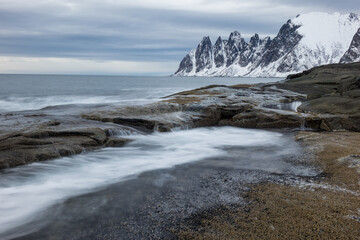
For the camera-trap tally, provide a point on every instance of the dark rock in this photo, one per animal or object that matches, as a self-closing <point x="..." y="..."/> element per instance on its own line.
<point x="116" y="142"/>
<point x="134" y="122"/>
<point x="255" y="40"/>
<point x="210" y="117"/>
<point x="39" y="145"/>
<point x="263" y="119"/>
<point x="203" y="54"/>
<point x="163" y="127"/>
<point x="323" y="80"/>
<point x="229" y="112"/>
<point x="333" y="123"/>
<point x="347" y="84"/>
<point x="332" y="105"/>
<point x="53" y="123"/>
<point x="186" y="65"/>
<point x="219" y="57"/>
<point x="333" y="92"/>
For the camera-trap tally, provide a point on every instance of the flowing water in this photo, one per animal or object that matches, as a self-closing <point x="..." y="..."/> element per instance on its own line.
<point x="28" y="193"/>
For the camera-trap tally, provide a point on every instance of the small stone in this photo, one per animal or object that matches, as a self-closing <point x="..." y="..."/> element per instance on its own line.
<point x="324" y="126"/>
<point x="53" y="123"/>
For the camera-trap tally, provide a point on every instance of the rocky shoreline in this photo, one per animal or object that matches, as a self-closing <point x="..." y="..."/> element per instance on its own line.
<point x="324" y="101"/>
<point x="324" y="98"/>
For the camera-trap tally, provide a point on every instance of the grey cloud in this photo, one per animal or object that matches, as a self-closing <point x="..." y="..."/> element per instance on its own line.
<point x="345" y="6"/>
<point x="103" y="30"/>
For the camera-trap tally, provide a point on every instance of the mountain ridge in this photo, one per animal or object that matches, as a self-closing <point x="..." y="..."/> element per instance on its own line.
<point x="304" y="42"/>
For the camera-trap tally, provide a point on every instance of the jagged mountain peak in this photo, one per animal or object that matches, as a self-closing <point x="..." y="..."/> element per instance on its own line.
<point x="255" y="40"/>
<point x="306" y="41"/>
<point x="236" y="40"/>
<point x="267" y="39"/>
<point x="219" y="41"/>
<point x="205" y="41"/>
<point x="353" y="17"/>
<point x="203" y="54"/>
<point x="235" y="35"/>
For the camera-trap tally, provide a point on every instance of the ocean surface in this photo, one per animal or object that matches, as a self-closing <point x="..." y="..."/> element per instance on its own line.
<point x="66" y="198"/>
<point x="30" y="92"/>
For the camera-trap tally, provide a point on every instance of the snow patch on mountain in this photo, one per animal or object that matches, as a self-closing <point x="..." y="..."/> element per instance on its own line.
<point x="326" y="36"/>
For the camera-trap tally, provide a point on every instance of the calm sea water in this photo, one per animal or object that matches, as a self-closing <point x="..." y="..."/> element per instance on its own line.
<point x="30" y="92"/>
<point x="29" y="194"/>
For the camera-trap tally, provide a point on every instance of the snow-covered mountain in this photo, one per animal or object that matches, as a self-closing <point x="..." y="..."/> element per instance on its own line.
<point x="304" y="42"/>
<point x="353" y="53"/>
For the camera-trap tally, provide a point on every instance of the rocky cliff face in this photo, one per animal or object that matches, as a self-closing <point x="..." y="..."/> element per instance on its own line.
<point x="304" y="42"/>
<point x="353" y="53"/>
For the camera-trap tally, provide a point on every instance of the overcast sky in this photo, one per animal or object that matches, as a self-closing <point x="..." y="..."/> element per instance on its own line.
<point x="142" y="37"/>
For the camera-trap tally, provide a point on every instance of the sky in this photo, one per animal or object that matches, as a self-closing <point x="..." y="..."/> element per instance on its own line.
<point x="137" y="37"/>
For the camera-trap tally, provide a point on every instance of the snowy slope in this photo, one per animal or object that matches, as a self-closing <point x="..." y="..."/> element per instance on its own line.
<point x="353" y="53"/>
<point x="328" y="33"/>
<point x="304" y="42"/>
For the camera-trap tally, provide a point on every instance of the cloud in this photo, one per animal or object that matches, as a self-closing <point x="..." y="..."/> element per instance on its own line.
<point x="138" y="30"/>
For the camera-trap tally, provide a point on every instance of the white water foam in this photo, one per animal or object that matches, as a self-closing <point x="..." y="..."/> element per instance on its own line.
<point x="121" y="132"/>
<point x="27" y="191"/>
<point x="35" y="103"/>
<point x="293" y="106"/>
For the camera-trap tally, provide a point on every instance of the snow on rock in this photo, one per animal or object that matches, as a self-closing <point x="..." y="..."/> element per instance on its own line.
<point x="353" y="53"/>
<point x="304" y="42"/>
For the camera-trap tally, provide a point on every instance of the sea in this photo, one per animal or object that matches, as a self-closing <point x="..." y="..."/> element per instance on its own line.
<point x="30" y="92"/>
<point x="85" y="195"/>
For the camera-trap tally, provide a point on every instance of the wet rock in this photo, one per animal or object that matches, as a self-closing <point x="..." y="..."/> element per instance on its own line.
<point x="153" y="117"/>
<point x="348" y="84"/>
<point x="53" y="123"/>
<point x="134" y="122"/>
<point x="116" y="142"/>
<point x="332" y="122"/>
<point x="334" y="104"/>
<point x="333" y="96"/>
<point x="39" y="145"/>
<point x="229" y="112"/>
<point x="323" y="80"/>
<point x="324" y="126"/>
<point x="263" y="119"/>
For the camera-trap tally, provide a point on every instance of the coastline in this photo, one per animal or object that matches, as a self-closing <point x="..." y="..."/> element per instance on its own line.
<point x="202" y="200"/>
<point x="155" y="204"/>
<point x="274" y="206"/>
